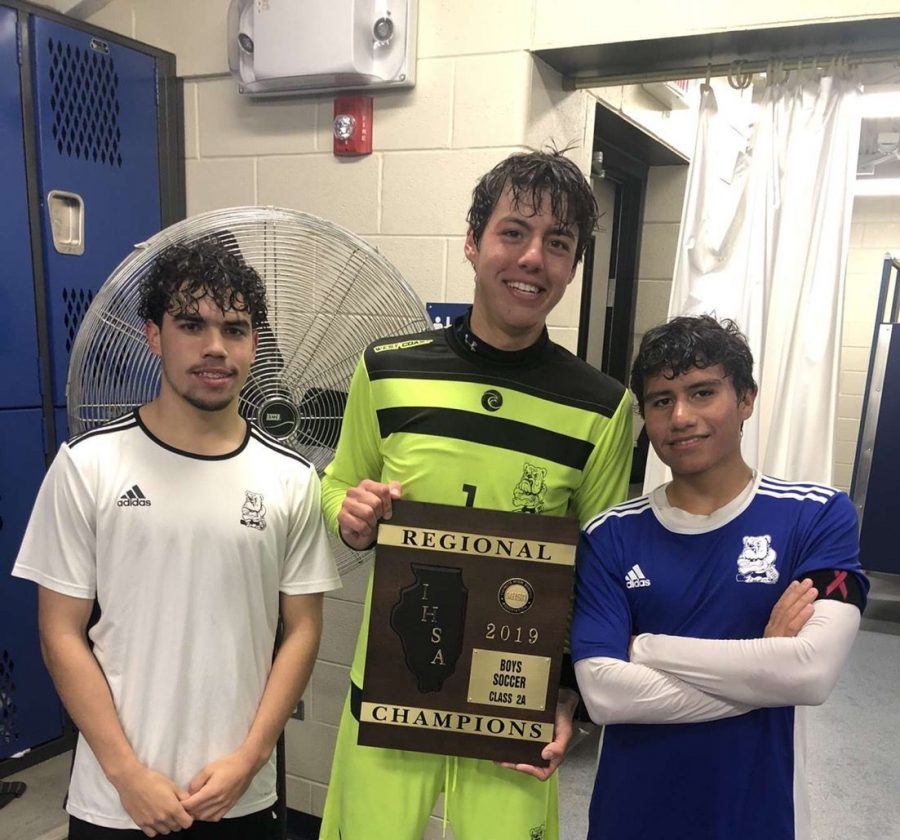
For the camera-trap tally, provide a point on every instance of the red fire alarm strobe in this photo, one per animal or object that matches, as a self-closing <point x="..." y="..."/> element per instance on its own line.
<point x="352" y="125"/>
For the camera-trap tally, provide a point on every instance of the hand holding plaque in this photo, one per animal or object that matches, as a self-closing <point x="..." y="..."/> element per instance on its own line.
<point x="466" y="631"/>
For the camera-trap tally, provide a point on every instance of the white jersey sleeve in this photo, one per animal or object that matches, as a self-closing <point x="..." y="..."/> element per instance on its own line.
<point x="799" y="671"/>
<point x="309" y="562"/>
<point x="58" y="549"/>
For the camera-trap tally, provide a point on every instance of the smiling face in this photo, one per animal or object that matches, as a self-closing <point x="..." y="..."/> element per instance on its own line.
<point x="523" y="264"/>
<point x="205" y="355"/>
<point x="694" y="421"/>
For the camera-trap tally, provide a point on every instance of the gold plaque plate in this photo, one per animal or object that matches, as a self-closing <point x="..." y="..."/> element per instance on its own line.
<point x="499" y="678"/>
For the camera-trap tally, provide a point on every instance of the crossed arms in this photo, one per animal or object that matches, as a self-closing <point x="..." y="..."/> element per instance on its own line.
<point x="674" y="679"/>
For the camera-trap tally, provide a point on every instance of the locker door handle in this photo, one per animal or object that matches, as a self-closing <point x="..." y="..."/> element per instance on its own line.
<point x="66" y="211"/>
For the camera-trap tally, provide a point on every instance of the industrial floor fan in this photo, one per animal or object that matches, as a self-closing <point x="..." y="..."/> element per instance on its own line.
<point x="329" y="295"/>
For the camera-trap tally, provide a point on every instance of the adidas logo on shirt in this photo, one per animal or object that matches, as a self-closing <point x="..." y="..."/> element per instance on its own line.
<point x="635" y="578"/>
<point x="133" y="498"/>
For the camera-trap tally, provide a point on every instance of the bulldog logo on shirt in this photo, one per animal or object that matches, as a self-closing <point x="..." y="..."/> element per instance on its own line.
<point x="756" y="563"/>
<point x="528" y="495"/>
<point x="253" y="511"/>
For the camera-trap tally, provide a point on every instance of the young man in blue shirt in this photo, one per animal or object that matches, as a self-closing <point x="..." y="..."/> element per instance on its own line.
<point x="708" y="610"/>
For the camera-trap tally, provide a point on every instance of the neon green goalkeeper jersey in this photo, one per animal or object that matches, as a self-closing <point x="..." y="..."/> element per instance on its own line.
<point x="460" y="423"/>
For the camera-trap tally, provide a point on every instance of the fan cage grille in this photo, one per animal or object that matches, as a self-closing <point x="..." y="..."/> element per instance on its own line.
<point x="329" y="294"/>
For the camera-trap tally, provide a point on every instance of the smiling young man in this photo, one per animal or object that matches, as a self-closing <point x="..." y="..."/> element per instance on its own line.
<point x="193" y="530"/>
<point x="488" y="413"/>
<point x="709" y="609"/>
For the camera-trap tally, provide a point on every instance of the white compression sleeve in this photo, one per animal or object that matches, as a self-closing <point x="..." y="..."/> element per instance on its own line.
<point x="621" y="692"/>
<point x="762" y="672"/>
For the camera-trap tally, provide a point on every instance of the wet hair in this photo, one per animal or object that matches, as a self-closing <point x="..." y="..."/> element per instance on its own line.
<point x="534" y="177"/>
<point x="686" y="342"/>
<point x="182" y="275"/>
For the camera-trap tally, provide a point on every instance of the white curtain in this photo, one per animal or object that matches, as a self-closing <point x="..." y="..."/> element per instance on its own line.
<point x="764" y="239"/>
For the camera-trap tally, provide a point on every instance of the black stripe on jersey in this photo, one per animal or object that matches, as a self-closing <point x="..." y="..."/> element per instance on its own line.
<point x="607" y="407"/>
<point x="276" y="446"/>
<point x="120" y="424"/>
<point x="487" y="430"/>
<point x="548" y="372"/>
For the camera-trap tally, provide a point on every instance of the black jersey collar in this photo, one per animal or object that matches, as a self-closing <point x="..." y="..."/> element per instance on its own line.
<point x="469" y="345"/>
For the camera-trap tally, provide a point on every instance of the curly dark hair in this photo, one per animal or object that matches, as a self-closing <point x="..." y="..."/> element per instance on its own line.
<point x="533" y="177"/>
<point x="208" y="267"/>
<point x="689" y="342"/>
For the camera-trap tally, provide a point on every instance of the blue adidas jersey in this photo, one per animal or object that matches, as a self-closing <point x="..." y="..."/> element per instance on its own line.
<point x="713" y="578"/>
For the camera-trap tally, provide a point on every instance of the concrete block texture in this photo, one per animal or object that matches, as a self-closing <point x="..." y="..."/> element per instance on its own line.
<point x="299" y="793"/>
<point x="652" y="304"/>
<point x="567" y="312"/>
<point x="881" y="234"/>
<point x="847" y="429"/>
<point x="490" y="100"/>
<point x="565" y="337"/>
<point x="118" y="17"/>
<point x="191" y="122"/>
<point x="855" y="358"/>
<point x="344" y="190"/>
<point x="232" y="124"/>
<point x="196" y="32"/>
<point x="460" y="286"/>
<point x="418" y="117"/>
<point x="318" y="793"/>
<point x="341" y="625"/>
<point x="852" y="382"/>
<point x="665" y="194"/>
<point x="428" y="193"/>
<point x="421" y="261"/>
<point x="658" y="244"/>
<point x="224" y="182"/>
<point x="354" y="583"/>
<point x="842" y="475"/>
<point x="559" y="118"/>
<point x="309" y="749"/>
<point x="328" y="689"/>
<point x="876" y="208"/>
<point x="464" y="27"/>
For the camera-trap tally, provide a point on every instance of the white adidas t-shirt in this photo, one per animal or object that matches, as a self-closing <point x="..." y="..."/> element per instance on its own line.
<point x="186" y="556"/>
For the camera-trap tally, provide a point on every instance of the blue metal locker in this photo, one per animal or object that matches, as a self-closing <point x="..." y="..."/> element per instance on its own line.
<point x="18" y="338"/>
<point x="30" y="713"/>
<point x="91" y="151"/>
<point x="98" y="169"/>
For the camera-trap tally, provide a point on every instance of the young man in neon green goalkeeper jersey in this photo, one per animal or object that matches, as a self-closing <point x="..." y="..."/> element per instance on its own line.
<point x="487" y="413"/>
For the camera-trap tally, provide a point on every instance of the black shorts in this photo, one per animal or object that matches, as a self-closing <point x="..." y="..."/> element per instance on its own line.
<point x="259" y="826"/>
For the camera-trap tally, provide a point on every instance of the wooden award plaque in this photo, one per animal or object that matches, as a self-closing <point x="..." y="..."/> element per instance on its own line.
<point x="466" y="633"/>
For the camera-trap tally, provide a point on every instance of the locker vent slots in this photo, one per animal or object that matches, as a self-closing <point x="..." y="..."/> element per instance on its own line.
<point x="84" y="96"/>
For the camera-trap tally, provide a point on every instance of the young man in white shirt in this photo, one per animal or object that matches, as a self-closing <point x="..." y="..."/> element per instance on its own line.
<point x="194" y="531"/>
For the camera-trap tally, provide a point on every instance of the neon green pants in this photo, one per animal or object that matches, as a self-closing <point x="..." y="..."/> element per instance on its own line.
<point x="379" y="794"/>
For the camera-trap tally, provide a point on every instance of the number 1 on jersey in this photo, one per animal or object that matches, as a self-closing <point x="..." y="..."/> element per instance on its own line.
<point x="470" y="490"/>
